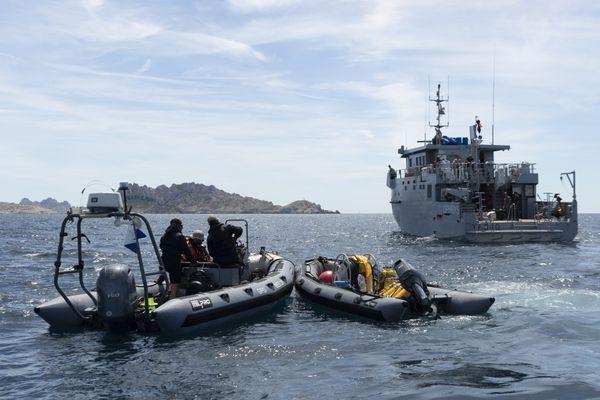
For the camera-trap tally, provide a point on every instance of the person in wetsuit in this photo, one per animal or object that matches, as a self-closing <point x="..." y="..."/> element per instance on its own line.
<point x="222" y="243"/>
<point x="172" y="246"/>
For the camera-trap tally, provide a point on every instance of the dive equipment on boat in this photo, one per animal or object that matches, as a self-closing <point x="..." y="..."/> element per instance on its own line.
<point x="393" y="299"/>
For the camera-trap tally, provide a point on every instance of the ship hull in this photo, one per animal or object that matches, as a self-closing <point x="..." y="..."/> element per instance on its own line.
<point x="441" y="220"/>
<point x="444" y="220"/>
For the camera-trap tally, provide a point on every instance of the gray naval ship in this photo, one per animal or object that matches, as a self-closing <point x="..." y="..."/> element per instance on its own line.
<point x="451" y="188"/>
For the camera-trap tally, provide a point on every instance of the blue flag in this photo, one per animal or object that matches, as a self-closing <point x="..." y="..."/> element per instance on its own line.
<point x="130" y="242"/>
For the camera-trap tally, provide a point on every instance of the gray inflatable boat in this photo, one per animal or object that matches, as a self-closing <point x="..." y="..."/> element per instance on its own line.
<point x="355" y="285"/>
<point x="267" y="280"/>
<point x="208" y="294"/>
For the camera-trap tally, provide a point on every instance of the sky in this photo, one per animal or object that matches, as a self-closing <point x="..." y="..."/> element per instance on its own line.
<point x="286" y="100"/>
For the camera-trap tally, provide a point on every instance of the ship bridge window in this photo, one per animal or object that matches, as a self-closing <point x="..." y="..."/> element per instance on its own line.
<point x="529" y="190"/>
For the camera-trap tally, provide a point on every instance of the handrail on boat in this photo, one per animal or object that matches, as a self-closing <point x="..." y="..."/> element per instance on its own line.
<point x="465" y="171"/>
<point x="79" y="267"/>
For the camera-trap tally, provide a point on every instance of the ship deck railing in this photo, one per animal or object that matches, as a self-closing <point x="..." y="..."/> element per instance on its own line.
<point x="541" y="221"/>
<point x="520" y="225"/>
<point x="457" y="173"/>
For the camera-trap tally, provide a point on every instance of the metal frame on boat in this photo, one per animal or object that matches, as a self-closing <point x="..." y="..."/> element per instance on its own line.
<point x="209" y="294"/>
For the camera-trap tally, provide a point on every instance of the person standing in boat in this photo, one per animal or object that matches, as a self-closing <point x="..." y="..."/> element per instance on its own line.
<point x="557" y="207"/>
<point x="517" y="205"/>
<point x="456" y="167"/>
<point x="470" y="166"/>
<point x="507" y="205"/>
<point x="392" y="172"/>
<point x="222" y="243"/>
<point x="172" y="246"/>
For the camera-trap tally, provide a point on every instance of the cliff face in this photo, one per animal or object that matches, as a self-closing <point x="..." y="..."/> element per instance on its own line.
<point x="195" y="198"/>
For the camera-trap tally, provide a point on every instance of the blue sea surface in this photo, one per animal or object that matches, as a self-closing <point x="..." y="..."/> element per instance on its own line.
<point x="540" y="340"/>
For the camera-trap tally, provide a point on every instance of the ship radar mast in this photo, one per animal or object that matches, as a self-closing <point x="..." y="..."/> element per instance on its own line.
<point x="439" y="100"/>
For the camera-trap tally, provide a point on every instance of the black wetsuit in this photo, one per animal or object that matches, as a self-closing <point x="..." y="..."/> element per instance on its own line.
<point x="221" y="244"/>
<point x="172" y="245"/>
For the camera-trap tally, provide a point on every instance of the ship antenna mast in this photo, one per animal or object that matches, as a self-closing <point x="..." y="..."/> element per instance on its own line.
<point x="441" y="110"/>
<point x="427" y="110"/>
<point x="493" y="96"/>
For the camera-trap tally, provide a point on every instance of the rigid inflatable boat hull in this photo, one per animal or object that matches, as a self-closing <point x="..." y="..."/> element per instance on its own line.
<point x="374" y="307"/>
<point x="349" y="302"/>
<point x="191" y="314"/>
<point x="59" y="315"/>
<point x="458" y="302"/>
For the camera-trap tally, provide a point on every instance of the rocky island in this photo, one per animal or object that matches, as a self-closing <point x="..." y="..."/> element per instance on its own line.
<point x="184" y="198"/>
<point x="14" y="208"/>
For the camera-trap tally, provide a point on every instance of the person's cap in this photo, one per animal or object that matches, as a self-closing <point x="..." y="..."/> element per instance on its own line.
<point x="176" y="221"/>
<point x="198" y="235"/>
<point x="212" y="219"/>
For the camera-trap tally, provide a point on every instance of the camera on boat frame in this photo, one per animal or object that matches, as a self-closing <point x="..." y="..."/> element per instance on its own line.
<point x="104" y="203"/>
<point x="108" y="202"/>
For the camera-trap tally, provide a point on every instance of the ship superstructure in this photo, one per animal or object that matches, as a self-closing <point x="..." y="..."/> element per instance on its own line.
<point x="452" y="188"/>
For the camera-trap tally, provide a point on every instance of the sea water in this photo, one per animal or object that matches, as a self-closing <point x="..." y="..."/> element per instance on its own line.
<point x="540" y="340"/>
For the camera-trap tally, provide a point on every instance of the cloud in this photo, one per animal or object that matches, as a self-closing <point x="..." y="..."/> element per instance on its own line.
<point x="93" y="4"/>
<point x="246" y="6"/>
<point x="176" y="44"/>
<point x="367" y="133"/>
<point x="146" y="67"/>
<point x="108" y="30"/>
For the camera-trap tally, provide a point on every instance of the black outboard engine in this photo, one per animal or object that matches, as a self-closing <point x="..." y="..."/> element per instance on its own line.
<point x="117" y="298"/>
<point x="415" y="283"/>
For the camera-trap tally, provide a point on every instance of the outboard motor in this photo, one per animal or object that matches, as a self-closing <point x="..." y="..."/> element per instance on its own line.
<point x="117" y="298"/>
<point x="415" y="283"/>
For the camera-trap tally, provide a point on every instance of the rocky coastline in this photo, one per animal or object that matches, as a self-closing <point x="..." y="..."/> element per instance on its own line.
<point x="185" y="198"/>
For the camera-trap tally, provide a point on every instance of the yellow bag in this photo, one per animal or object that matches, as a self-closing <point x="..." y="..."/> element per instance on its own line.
<point x="389" y="285"/>
<point x="364" y="268"/>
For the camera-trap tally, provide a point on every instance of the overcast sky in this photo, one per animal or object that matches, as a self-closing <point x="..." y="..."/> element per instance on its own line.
<point x="285" y="100"/>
